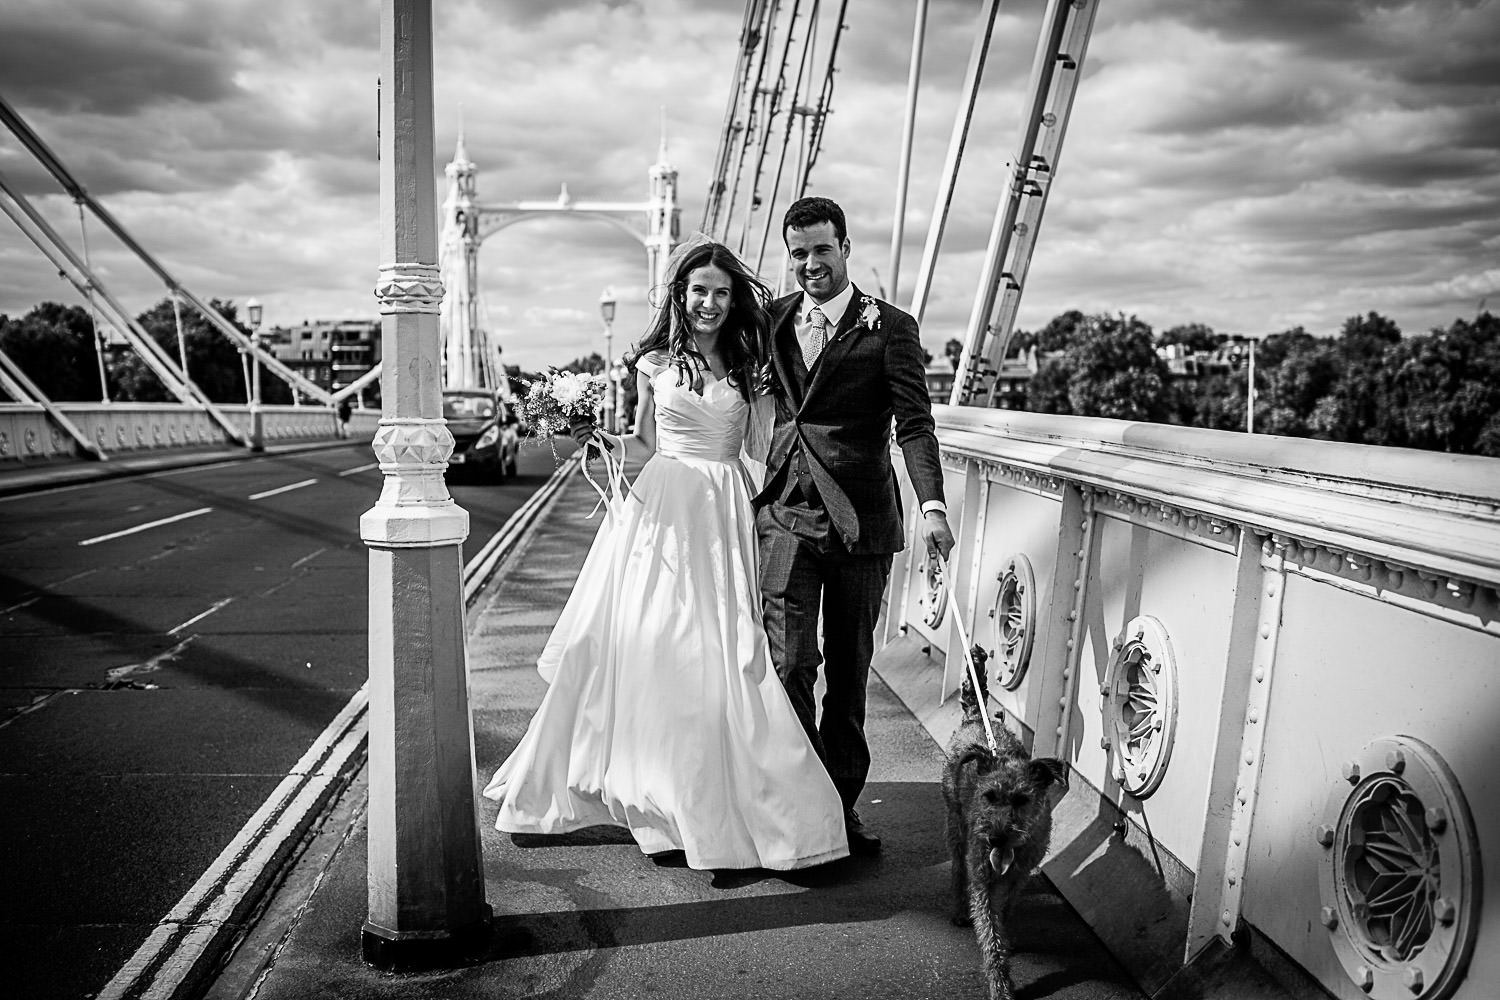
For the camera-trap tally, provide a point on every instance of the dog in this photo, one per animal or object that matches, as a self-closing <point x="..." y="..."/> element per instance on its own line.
<point x="999" y="825"/>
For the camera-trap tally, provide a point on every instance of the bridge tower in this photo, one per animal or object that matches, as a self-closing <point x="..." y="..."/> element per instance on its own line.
<point x="470" y="357"/>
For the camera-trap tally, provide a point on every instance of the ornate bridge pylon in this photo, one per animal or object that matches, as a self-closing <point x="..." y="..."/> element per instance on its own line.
<point x="471" y="358"/>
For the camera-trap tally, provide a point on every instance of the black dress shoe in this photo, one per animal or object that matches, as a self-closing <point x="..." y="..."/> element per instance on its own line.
<point x="861" y="839"/>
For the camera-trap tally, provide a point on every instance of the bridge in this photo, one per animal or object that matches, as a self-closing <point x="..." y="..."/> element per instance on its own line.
<point x="1268" y="662"/>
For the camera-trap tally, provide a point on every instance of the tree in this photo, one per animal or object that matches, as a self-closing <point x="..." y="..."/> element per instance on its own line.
<point x="1194" y="336"/>
<point x="593" y="364"/>
<point x="213" y="360"/>
<point x="1047" y="389"/>
<point x="54" y="346"/>
<point x="1443" y="389"/>
<point x="1059" y="332"/>
<point x="1116" y="372"/>
<point x="953" y="350"/>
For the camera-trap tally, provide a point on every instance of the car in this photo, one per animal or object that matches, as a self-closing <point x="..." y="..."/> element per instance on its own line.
<point x="484" y="429"/>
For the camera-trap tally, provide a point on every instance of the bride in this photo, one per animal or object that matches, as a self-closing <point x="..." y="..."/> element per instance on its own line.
<point x="663" y="712"/>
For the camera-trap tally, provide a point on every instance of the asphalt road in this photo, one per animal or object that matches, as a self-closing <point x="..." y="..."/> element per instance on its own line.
<point x="170" y="644"/>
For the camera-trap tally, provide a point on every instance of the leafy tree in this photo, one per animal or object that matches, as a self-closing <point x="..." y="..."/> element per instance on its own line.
<point x="1047" y="389"/>
<point x="1115" y="371"/>
<point x="1194" y="336"/>
<point x="1288" y="391"/>
<point x="1442" y="390"/>
<point x="953" y="350"/>
<point x="54" y="346"/>
<point x="1059" y="332"/>
<point x="213" y="360"/>
<point x="593" y="364"/>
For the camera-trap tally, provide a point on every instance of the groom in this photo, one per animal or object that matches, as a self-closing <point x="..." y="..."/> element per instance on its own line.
<point x="829" y="516"/>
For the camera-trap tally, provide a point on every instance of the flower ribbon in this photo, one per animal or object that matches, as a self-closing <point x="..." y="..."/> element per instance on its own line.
<point x="615" y="486"/>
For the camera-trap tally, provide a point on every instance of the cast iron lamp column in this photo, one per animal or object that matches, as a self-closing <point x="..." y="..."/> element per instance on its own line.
<point x="254" y="311"/>
<point x="611" y="399"/>
<point x="426" y="885"/>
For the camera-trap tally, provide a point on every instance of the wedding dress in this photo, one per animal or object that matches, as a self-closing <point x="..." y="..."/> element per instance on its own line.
<point x="663" y="712"/>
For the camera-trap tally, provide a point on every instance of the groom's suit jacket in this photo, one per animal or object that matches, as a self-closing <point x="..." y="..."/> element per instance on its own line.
<point x="839" y="417"/>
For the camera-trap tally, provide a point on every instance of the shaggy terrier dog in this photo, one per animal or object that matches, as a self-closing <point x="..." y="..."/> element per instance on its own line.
<point x="999" y="824"/>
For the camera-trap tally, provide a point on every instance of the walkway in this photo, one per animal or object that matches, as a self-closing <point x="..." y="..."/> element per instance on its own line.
<point x="589" y="915"/>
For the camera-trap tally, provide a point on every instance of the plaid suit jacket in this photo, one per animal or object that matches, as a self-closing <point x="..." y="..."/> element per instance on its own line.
<point x="842" y="412"/>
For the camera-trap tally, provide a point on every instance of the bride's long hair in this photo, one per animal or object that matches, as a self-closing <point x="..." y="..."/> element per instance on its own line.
<point x="745" y="337"/>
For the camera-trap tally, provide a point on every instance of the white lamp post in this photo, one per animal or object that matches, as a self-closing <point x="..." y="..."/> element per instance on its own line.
<point x="607" y="312"/>
<point x="255" y="311"/>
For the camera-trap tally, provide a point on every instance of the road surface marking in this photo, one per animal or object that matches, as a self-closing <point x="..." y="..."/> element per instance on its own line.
<point x="309" y="557"/>
<point x="199" y="618"/>
<point x="143" y="527"/>
<point x="359" y="468"/>
<point x="18" y="607"/>
<point x="152" y="665"/>
<point x="282" y="489"/>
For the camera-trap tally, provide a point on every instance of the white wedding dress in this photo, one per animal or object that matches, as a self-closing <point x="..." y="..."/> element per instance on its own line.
<point x="663" y="712"/>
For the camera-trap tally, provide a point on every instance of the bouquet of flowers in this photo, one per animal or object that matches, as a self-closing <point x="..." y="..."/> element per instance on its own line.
<point x="559" y="401"/>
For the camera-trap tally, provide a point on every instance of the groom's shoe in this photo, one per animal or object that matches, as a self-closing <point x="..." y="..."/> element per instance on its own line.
<point x="861" y="839"/>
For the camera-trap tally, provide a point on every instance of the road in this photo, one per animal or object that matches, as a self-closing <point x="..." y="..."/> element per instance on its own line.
<point x="170" y="644"/>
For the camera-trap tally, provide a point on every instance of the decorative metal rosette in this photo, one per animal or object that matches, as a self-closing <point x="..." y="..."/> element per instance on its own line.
<point x="1140" y="705"/>
<point x="1014" y="615"/>
<point x="934" y="596"/>
<point x="1399" y="877"/>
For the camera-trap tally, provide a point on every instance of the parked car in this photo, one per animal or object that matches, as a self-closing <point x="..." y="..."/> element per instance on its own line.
<point x="484" y="430"/>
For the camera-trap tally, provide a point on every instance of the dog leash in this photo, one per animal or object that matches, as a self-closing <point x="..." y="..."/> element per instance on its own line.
<point x="963" y="635"/>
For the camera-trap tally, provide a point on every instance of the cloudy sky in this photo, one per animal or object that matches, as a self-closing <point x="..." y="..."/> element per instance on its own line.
<point x="1249" y="164"/>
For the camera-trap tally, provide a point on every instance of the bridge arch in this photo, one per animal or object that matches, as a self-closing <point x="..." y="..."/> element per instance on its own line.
<point x="469" y="358"/>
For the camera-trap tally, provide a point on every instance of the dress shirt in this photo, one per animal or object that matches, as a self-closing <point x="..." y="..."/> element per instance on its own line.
<point x="834" y="310"/>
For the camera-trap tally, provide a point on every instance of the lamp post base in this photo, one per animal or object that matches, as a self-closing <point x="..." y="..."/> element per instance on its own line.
<point x="416" y="951"/>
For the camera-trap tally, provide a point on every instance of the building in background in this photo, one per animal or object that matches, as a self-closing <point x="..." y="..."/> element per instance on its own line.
<point x="331" y="353"/>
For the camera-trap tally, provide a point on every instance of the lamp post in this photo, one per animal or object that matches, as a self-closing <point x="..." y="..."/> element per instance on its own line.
<point x="607" y="312"/>
<point x="424" y="877"/>
<point x="255" y="311"/>
<point x="1250" y="392"/>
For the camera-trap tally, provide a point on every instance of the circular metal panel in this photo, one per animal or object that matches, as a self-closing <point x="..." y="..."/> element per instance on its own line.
<point x="1399" y="877"/>
<point x="1014" y="615"/>
<point x="933" y="598"/>
<point x="1140" y="705"/>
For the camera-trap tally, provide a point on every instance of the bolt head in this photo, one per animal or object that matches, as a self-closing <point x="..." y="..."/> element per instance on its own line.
<point x="1444" y="910"/>
<point x="1329" y="916"/>
<point x="1395" y="761"/>
<point x="1325" y="835"/>
<point x="1351" y="771"/>
<point x="1412" y="978"/>
<point x="1364" y="978"/>
<point x="1437" y="819"/>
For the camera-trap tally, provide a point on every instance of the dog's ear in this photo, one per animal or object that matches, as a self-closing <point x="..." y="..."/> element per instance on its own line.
<point x="983" y="760"/>
<point x="1049" y="770"/>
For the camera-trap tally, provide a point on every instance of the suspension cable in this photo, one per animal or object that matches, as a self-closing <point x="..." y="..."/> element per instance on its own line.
<point x="786" y="134"/>
<point x="765" y="137"/>
<point x="825" y="101"/>
<point x="93" y="310"/>
<point x="766" y="40"/>
<point x="181" y="339"/>
<point x="749" y="41"/>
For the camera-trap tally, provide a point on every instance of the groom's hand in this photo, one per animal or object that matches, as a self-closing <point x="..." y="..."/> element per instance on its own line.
<point x="937" y="534"/>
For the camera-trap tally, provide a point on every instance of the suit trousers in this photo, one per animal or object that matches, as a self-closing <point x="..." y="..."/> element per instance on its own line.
<point x="802" y="574"/>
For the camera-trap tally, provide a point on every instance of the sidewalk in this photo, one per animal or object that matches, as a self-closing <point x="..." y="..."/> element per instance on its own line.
<point x="589" y="915"/>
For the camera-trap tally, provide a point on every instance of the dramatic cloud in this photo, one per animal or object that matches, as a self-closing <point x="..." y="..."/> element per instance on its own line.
<point x="1250" y="164"/>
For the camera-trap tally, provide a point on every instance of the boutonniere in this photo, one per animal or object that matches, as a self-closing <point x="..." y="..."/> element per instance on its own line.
<point x="869" y="313"/>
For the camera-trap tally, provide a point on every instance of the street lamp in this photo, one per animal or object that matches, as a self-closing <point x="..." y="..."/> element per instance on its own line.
<point x="1250" y="392"/>
<point x="254" y="310"/>
<point x="607" y="312"/>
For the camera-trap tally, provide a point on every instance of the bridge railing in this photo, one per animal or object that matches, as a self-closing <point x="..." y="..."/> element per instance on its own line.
<point x="27" y="434"/>
<point x="1273" y="666"/>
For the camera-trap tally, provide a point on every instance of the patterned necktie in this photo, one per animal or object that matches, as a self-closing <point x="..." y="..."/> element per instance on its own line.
<point x="818" y="339"/>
